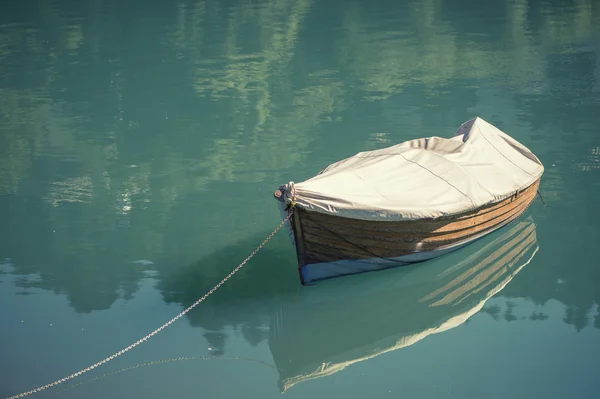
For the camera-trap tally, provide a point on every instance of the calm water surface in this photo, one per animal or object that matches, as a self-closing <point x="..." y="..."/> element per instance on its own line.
<point x="141" y="142"/>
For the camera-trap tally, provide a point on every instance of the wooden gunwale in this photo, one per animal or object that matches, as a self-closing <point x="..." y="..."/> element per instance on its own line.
<point x="325" y="238"/>
<point x="439" y="225"/>
<point x="365" y="249"/>
<point x="404" y="236"/>
<point x="319" y="234"/>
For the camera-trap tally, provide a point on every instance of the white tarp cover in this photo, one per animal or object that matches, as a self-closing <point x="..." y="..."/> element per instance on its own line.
<point x="422" y="178"/>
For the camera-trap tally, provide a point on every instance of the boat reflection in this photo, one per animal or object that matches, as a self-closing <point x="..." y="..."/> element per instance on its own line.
<point x="324" y="329"/>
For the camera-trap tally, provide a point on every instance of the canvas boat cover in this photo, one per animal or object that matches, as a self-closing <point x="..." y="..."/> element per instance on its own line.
<point x="422" y="178"/>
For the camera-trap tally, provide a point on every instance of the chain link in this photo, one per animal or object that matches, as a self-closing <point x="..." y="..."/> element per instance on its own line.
<point x="159" y="329"/>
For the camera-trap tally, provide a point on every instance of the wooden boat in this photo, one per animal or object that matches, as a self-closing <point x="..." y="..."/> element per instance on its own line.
<point x="410" y="202"/>
<point x="366" y="316"/>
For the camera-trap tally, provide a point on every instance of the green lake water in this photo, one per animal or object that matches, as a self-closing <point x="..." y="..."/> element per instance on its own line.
<point x="140" y="145"/>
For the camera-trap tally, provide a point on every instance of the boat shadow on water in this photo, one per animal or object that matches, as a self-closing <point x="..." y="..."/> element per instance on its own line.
<point x="363" y="316"/>
<point x="319" y="330"/>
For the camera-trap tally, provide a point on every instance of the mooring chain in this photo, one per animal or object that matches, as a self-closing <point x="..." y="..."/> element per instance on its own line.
<point x="159" y="329"/>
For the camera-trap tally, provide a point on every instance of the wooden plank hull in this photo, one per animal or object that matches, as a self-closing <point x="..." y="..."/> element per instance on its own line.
<point x="329" y="246"/>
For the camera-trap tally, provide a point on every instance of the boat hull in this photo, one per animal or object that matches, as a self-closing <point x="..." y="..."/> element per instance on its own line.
<point x="328" y="246"/>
